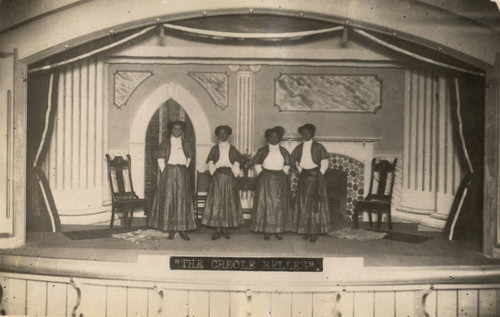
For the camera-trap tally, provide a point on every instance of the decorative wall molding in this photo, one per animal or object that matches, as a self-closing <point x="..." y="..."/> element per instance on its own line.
<point x="328" y="93"/>
<point x="125" y="83"/>
<point x="216" y="85"/>
<point x="245" y="105"/>
<point x="142" y="117"/>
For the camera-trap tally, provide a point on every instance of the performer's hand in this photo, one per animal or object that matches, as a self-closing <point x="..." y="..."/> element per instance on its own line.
<point x="161" y="164"/>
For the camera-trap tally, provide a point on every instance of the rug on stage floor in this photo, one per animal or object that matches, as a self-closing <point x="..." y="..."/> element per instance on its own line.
<point x="139" y="236"/>
<point x="357" y="234"/>
<point x="96" y="233"/>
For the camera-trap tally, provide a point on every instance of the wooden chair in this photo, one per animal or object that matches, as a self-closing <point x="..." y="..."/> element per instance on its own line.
<point x="123" y="196"/>
<point x="378" y="198"/>
<point x="202" y="185"/>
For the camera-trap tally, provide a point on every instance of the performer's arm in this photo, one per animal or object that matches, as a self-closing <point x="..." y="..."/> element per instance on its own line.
<point x="324" y="166"/>
<point x="236" y="169"/>
<point x="258" y="168"/>
<point x="211" y="167"/>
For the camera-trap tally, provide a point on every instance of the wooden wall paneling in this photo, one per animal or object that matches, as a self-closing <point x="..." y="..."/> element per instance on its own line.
<point x="101" y="114"/>
<point x="488" y="303"/>
<point x="324" y="304"/>
<point x="116" y="303"/>
<point x="468" y="302"/>
<point x="57" y="183"/>
<point x="93" y="300"/>
<point x="261" y="304"/>
<point x="91" y="179"/>
<point x="137" y="301"/>
<point x="281" y="304"/>
<point x="14" y="296"/>
<point x="302" y="304"/>
<point x="156" y="304"/>
<point x="198" y="303"/>
<point x="84" y="121"/>
<point x="75" y="124"/>
<point x="56" y="299"/>
<point x="428" y="165"/>
<point x="405" y="305"/>
<point x="412" y="162"/>
<point x="239" y="304"/>
<point x="447" y="303"/>
<point x="219" y="303"/>
<point x="346" y="304"/>
<point x="384" y="304"/>
<point x="431" y="304"/>
<point x="364" y="304"/>
<point x="419" y="167"/>
<point x="176" y="303"/>
<point x="36" y="298"/>
<point x="68" y="116"/>
<point x="71" y="299"/>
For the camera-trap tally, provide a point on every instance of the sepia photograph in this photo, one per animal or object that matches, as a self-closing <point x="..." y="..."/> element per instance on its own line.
<point x="312" y="158"/>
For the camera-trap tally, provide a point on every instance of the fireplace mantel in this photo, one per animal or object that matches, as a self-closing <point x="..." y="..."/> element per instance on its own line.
<point x="321" y="139"/>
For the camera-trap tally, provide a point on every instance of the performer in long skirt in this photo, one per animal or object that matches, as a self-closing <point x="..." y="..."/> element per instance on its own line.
<point x="173" y="203"/>
<point x="272" y="204"/>
<point x="311" y="215"/>
<point x="223" y="206"/>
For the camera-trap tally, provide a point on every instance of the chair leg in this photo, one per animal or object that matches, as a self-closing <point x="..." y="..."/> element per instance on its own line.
<point x="195" y="209"/>
<point x="112" y="217"/>
<point x="370" y="217"/>
<point x="130" y="218"/>
<point x="379" y="219"/>
<point x="355" y="217"/>
<point x="389" y="220"/>
<point x="125" y="216"/>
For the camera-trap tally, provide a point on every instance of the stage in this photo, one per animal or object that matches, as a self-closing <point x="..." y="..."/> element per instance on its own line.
<point x="436" y="251"/>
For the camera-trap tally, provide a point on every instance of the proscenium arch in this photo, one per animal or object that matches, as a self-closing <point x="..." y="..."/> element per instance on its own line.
<point x="143" y="115"/>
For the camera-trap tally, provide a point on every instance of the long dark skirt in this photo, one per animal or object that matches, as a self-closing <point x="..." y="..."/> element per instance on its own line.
<point x="311" y="214"/>
<point x="173" y="202"/>
<point x="272" y="203"/>
<point x="223" y="207"/>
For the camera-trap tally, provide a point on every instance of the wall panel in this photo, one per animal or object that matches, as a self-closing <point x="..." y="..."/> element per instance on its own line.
<point x="431" y="172"/>
<point x="74" y="164"/>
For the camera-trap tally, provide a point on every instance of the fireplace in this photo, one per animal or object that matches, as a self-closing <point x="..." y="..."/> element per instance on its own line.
<point x="348" y="171"/>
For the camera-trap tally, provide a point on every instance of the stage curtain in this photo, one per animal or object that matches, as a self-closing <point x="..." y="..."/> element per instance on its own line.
<point x="41" y="212"/>
<point x="467" y="101"/>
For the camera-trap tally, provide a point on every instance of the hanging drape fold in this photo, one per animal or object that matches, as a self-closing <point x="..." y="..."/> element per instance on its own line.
<point x="42" y="104"/>
<point x="467" y="101"/>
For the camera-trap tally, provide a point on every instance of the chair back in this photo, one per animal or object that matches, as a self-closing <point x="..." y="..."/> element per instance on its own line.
<point x="382" y="179"/>
<point x="120" y="178"/>
<point x="202" y="182"/>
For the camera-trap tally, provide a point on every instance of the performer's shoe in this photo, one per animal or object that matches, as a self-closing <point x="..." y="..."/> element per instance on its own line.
<point x="313" y="238"/>
<point x="225" y="234"/>
<point x="184" y="235"/>
<point x="171" y="235"/>
<point x="267" y="236"/>
<point x="278" y="236"/>
<point x="215" y="235"/>
<point x="306" y="236"/>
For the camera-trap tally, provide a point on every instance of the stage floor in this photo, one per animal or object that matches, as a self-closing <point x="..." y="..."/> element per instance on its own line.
<point x="382" y="252"/>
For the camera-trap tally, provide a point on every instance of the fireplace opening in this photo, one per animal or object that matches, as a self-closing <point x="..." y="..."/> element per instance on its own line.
<point x="336" y="186"/>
